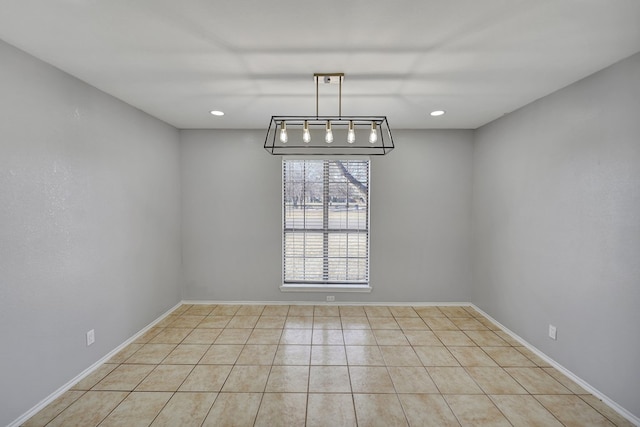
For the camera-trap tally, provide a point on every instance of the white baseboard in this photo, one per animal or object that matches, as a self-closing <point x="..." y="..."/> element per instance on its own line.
<point x="53" y="396"/>
<point x="609" y="402"/>
<point x="341" y="303"/>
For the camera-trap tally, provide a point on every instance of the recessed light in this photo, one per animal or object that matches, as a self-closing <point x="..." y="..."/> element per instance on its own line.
<point x="437" y="113"/>
<point x="217" y="113"/>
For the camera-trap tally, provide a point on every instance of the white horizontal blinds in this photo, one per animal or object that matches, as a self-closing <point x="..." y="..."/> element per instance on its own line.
<point x="326" y="221"/>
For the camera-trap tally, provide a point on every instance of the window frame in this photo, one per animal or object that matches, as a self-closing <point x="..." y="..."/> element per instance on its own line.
<point x="325" y="287"/>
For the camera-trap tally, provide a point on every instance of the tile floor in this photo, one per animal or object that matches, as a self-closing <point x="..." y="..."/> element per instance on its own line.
<point x="304" y="365"/>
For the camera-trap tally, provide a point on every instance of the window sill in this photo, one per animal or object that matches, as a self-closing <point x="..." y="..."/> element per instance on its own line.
<point x="300" y="287"/>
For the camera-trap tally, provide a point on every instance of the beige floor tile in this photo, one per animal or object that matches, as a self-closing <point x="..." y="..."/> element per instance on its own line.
<point x="171" y="336"/>
<point x="427" y="410"/>
<point x="383" y="410"/>
<point x="89" y="410"/>
<point x="282" y="409"/>
<point x="435" y="356"/>
<point x="293" y="355"/>
<point x="540" y="362"/>
<point x="422" y="338"/>
<point x="471" y="356"/>
<point x="298" y="322"/>
<point x="185" y="410"/>
<point x="165" y="378"/>
<point x="453" y="380"/>
<point x="247" y="379"/>
<point x="95" y="377"/>
<point x="186" y="354"/>
<point x="329" y="379"/>
<point x="330" y="410"/>
<point x="412" y="324"/>
<point x="233" y="336"/>
<point x="359" y="337"/>
<point x="222" y="354"/>
<point x="454" y="338"/>
<point x="327" y="323"/>
<point x="151" y="353"/>
<point x="605" y="410"/>
<point x="326" y="310"/>
<point x="271" y="322"/>
<point x="572" y="411"/>
<point x="476" y="410"/>
<point x="258" y="354"/>
<point x="327" y="337"/>
<point x="275" y="310"/>
<point x="469" y="324"/>
<point x="537" y="381"/>
<point x="328" y="355"/>
<point x="508" y="338"/>
<point x="390" y="337"/>
<point x="296" y="336"/>
<point x="167" y="320"/>
<point x="383" y="323"/>
<point x="377" y="311"/>
<point x="351" y="311"/>
<point x="209" y="378"/>
<point x="565" y="381"/>
<point x="440" y="324"/>
<point x="370" y="379"/>
<point x="233" y="410"/>
<point x="366" y="355"/>
<point x="138" y="409"/>
<point x="265" y="336"/>
<point x="525" y="411"/>
<point x="508" y="357"/>
<point x="288" y="379"/>
<point x="242" y="322"/>
<point x="412" y="379"/>
<point x="486" y="339"/>
<point x="300" y="310"/>
<point x="53" y="409"/>
<point x="401" y="311"/>
<point x="200" y="310"/>
<point x="225" y="310"/>
<point x="149" y="335"/>
<point x="454" y="311"/>
<point x="125" y="353"/>
<point x="429" y="311"/>
<point x="400" y="356"/>
<point x="250" y="310"/>
<point x="186" y="321"/>
<point x="357" y="323"/>
<point x="124" y="378"/>
<point x="494" y="380"/>
<point x="216" y="322"/>
<point x="202" y="336"/>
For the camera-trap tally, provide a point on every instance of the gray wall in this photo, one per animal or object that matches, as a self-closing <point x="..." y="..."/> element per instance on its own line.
<point x="89" y="226"/>
<point x="420" y="219"/>
<point x="557" y="227"/>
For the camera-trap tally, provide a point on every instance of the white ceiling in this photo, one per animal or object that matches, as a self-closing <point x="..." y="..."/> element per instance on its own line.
<point x="179" y="59"/>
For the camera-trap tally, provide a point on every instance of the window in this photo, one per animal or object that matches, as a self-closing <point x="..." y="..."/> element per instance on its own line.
<point x="326" y="222"/>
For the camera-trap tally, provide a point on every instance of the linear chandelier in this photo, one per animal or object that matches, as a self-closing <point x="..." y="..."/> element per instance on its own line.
<point x="329" y="135"/>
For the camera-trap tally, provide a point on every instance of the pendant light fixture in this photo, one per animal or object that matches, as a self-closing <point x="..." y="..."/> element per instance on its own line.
<point x="302" y="135"/>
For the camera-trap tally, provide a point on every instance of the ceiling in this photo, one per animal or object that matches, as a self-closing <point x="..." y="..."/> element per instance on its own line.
<point x="177" y="60"/>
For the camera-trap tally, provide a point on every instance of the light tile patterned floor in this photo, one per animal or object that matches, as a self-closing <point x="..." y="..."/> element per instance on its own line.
<point x="279" y="365"/>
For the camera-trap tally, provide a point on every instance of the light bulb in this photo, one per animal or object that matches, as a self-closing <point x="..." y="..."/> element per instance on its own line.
<point x="306" y="135"/>
<point x="283" y="133"/>
<point x="329" y="136"/>
<point x="373" y="136"/>
<point x="351" y="133"/>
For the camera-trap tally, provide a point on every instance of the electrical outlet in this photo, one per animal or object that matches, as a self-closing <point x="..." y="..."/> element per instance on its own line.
<point x="331" y="298"/>
<point x="91" y="337"/>
<point x="553" y="332"/>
